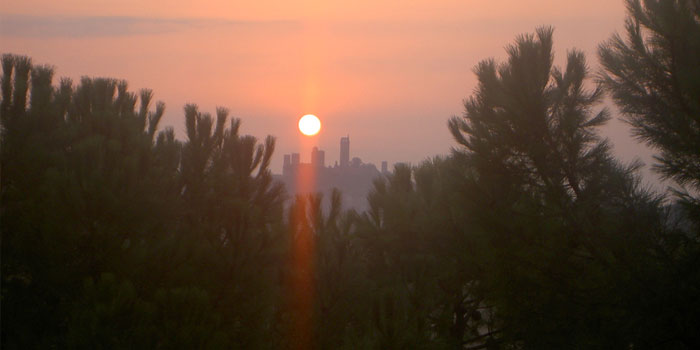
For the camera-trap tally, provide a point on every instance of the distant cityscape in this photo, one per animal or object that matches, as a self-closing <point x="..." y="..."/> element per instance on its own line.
<point x="351" y="176"/>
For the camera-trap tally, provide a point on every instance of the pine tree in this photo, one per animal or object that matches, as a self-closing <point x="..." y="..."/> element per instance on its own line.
<point x="563" y="228"/>
<point x="231" y="219"/>
<point x="78" y="195"/>
<point x="653" y="74"/>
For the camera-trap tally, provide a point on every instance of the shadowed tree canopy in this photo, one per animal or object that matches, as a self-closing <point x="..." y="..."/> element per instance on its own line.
<point x="566" y="228"/>
<point x="118" y="236"/>
<point x="536" y="121"/>
<point x="529" y="235"/>
<point x="653" y="73"/>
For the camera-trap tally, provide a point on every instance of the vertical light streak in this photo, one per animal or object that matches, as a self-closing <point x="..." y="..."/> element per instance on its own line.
<point x="302" y="281"/>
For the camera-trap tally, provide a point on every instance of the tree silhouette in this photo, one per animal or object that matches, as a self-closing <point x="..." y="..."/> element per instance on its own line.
<point x="232" y="214"/>
<point x="654" y="77"/>
<point x="567" y="229"/>
<point x="529" y="235"/>
<point x="76" y="193"/>
<point x="116" y="235"/>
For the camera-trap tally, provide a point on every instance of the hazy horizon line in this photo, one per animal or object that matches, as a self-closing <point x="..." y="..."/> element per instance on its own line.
<point x="55" y="26"/>
<point x="41" y="26"/>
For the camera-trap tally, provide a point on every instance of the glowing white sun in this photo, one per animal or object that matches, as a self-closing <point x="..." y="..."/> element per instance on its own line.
<point x="309" y="125"/>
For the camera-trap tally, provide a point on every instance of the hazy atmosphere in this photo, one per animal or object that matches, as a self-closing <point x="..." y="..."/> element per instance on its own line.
<point x="301" y="175"/>
<point x="389" y="74"/>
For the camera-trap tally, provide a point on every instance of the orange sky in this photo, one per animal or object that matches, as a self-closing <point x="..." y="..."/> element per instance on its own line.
<point x="387" y="73"/>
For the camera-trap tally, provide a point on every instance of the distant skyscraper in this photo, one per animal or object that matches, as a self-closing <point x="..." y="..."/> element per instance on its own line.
<point x="318" y="157"/>
<point x="353" y="177"/>
<point x="344" y="152"/>
<point x="287" y="161"/>
<point x="322" y="159"/>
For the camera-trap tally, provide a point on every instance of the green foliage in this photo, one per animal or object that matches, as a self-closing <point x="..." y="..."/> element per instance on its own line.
<point x="76" y="167"/>
<point x="420" y="249"/>
<point x="398" y="261"/>
<point x="580" y="232"/>
<point x="654" y="77"/>
<point x="231" y="221"/>
<point x="326" y="284"/>
<point x="529" y="235"/>
<point x="178" y="242"/>
<point x="111" y="315"/>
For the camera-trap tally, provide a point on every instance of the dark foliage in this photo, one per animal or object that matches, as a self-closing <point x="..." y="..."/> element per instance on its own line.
<point x="117" y="237"/>
<point x="653" y="74"/>
<point x="530" y="235"/>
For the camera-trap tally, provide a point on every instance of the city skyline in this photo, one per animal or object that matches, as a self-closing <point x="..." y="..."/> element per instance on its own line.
<point x="388" y="74"/>
<point x="306" y="174"/>
<point x="351" y="176"/>
<point x="345" y="158"/>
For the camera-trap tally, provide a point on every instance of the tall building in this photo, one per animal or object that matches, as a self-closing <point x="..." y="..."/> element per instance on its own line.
<point x="314" y="156"/>
<point x="353" y="177"/>
<point x="318" y="157"/>
<point x="345" y="152"/>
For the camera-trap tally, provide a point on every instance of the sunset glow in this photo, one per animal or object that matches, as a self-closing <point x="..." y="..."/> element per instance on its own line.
<point x="364" y="62"/>
<point x="309" y="125"/>
<point x="505" y="174"/>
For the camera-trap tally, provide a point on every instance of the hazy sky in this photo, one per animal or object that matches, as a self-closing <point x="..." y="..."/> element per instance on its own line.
<point x="388" y="73"/>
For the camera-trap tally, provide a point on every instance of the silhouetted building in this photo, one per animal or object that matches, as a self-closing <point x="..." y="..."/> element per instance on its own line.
<point x="287" y="162"/>
<point x="318" y="158"/>
<point x="353" y="177"/>
<point x="344" y="152"/>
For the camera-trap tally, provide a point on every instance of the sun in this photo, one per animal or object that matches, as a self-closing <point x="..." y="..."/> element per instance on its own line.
<point x="309" y="125"/>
